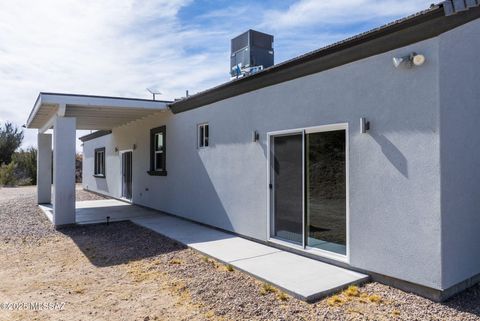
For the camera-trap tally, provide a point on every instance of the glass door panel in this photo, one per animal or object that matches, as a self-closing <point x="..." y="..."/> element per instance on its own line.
<point x="127" y="175"/>
<point x="325" y="179"/>
<point x="287" y="187"/>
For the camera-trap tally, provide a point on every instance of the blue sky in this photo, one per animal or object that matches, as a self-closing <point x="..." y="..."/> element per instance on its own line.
<point x="120" y="47"/>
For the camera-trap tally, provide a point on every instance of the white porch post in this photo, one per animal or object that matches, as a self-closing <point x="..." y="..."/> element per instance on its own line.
<point x="64" y="149"/>
<point x="44" y="168"/>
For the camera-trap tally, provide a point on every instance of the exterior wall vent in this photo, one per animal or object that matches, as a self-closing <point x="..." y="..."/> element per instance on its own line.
<point x="251" y="52"/>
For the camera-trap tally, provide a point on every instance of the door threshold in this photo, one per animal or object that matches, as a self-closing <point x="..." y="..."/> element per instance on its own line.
<point x="311" y="251"/>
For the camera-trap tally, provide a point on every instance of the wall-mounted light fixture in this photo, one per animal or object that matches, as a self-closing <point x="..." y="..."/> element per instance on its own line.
<point x="116" y="149"/>
<point x="411" y="60"/>
<point x="364" y="125"/>
<point x="255" y="136"/>
<point x="134" y="146"/>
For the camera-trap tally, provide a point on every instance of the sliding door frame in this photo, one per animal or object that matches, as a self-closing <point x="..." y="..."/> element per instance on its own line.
<point x="271" y="190"/>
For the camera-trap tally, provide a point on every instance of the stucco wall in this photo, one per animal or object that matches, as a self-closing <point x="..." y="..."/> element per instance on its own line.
<point x="111" y="185"/>
<point x="460" y="152"/>
<point x="394" y="182"/>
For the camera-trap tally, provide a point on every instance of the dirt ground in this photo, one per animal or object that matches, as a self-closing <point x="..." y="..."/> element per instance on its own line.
<point x="122" y="271"/>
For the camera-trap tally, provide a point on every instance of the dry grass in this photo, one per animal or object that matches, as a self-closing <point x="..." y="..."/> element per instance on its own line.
<point x="374" y="298"/>
<point x="267" y="288"/>
<point x="282" y="296"/>
<point x="335" y="300"/>
<point x="353" y="295"/>
<point x="175" y="261"/>
<point x="352" y="291"/>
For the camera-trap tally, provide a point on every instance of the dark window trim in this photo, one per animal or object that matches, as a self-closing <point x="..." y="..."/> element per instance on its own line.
<point x="203" y="135"/>
<point x="104" y="175"/>
<point x="153" y="132"/>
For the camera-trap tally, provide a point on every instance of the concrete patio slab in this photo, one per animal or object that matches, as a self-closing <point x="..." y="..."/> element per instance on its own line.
<point x="91" y="212"/>
<point x="301" y="277"/>
<point x="304" y="278"/>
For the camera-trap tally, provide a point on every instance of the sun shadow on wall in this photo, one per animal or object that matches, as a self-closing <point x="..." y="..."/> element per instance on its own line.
<point x="392" y="153"/>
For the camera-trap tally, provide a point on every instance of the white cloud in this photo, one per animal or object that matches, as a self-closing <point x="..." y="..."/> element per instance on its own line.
<point x="108" y="47"/>
<point x="120" y="47"/>
<point x="306" y="13"/>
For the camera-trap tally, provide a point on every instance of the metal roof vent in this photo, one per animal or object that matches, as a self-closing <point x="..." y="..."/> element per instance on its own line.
<point x="252" y="51"/>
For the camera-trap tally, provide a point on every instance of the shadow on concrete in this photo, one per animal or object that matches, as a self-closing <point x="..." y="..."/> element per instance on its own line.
<point x="119" y="242"/>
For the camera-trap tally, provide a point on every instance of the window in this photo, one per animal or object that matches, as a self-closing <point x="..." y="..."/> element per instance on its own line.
<point x="99" y="170"/>
<point x="158" y="151"/>
<point x="203" y="135"/>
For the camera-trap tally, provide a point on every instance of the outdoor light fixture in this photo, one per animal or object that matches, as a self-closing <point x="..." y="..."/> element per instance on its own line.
<point x="134" y="146"/>
<point x="364" y="125"/>
<point x="411" y="60"/>
<point x="116" y="149"/>
<point x="255" y="136"/>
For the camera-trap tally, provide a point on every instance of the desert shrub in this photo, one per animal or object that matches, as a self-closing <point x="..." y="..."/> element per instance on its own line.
<point x="7" y="175"/>
<point x="26" y="171"/>
<point x="11" y="138"/>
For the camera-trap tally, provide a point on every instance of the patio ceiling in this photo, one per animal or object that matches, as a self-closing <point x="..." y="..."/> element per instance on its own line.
<point x="91" y="112"/>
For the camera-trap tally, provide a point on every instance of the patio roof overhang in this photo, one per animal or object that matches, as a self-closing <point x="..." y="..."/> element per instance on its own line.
<point x="91" y="112"/>
<point x="65" y="114"/>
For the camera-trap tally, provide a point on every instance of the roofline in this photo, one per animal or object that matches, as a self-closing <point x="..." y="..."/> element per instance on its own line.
<point x="415" y="28"/>
<point x="96" y="134"/>
<point x="105" y="97"/>
<point x="38" y="101"/>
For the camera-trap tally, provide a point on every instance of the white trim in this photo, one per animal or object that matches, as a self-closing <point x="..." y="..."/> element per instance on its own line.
<point x="120" y="153"/>
<point x="270" y="191"/>
<point x="204" y="136"/>
<point x="311" y="250"/>
<point x="308" y="130"/>
<point x="156" y="166"/>
<point x="304" y="237"/>
<point x="88" y="102"/>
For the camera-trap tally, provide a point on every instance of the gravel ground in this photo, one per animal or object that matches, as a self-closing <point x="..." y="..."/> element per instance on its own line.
<point x="20" y="219"/>
<point x="160" y="270"/>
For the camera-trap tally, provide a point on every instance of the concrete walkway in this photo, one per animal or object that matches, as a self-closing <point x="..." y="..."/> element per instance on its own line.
<point x="299" y="276"/>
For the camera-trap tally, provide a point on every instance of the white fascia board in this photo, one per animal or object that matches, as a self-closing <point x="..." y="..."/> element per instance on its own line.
<point x="93" y="101"/>
<point x="98" y="101"/>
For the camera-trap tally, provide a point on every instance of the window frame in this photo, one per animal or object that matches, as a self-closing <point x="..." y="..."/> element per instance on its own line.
<point x="203" y="142"/>
<point x="96" y="167"/>
<point x="153" y="151"/>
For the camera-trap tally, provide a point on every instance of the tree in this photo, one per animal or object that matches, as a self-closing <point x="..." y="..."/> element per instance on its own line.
<point x="26" y="161"/>
<point x="11" y="138"/>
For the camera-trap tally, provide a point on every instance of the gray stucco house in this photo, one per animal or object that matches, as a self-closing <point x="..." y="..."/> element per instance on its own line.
<point x="338" y="154"/>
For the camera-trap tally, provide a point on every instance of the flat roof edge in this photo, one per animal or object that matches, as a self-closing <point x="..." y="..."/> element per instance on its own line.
<point x="422" y="26"/>
<point x="104" y="97"/>
<point x="87" y="100"/>
<point x="96" y="134"/>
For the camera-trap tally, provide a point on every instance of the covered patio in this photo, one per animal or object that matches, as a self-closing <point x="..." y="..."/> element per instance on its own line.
<point x="57" y="118"/>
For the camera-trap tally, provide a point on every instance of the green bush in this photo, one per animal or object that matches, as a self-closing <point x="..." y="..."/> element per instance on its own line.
<point x="26" y="170"/>
<point x="7" y="175"/>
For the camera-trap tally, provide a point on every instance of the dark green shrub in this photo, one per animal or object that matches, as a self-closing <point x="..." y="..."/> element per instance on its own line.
<point x="26" y="170"/>
<point x="7" y="175"/>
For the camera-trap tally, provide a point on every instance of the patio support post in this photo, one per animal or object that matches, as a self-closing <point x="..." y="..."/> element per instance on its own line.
<point x="44" y="168"/>
<point x="64" y="149"/>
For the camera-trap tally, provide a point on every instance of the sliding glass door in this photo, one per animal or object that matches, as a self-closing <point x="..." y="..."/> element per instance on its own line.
<point x="287" y="181"/>
<point x="325" y="191"/>
<point x="308" y="192"/>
